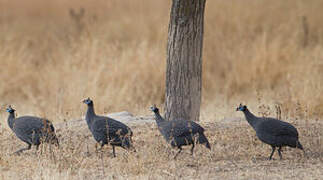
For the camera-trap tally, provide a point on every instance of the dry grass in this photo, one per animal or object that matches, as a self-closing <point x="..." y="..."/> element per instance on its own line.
<point x="115" y="53"/>
<point x="235" y="154"/>
<point x="263" y="53"/>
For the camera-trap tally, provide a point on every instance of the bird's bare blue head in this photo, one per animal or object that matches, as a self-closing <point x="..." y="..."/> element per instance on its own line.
<point x="10" y="109"/>
<point x="242" y="107"/>
<point x="154" y="109"/>
<point x="88" y="101"/>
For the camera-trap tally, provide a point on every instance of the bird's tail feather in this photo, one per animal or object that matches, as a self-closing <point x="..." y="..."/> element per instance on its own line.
<point x="299" y="145"/>
<point x="203" y="140"/>
<point x="127" y="144"/>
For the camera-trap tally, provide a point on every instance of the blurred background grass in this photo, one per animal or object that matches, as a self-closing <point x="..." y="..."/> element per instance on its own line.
<point x="262" y="53"/>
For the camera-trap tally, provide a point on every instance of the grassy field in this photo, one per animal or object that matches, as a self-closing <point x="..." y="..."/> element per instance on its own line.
<point x="266" y="54"/>
<point x="235" y="154"/>
<point x="115" y="53"/>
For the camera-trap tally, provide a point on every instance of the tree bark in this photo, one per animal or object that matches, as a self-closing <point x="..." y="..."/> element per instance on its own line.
<point x="184" y="60"/>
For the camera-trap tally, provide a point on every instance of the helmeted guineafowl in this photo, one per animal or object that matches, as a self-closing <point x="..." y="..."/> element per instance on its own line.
<point x="272" y="131"/>
<point x="106" y="130"/>
<point x="31" y="130"/>
<point x="180" y="132"/>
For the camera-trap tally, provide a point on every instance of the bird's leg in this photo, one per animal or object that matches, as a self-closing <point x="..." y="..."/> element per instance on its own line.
<point x="193" y="145"/>
<point x="114" y="151"/>
<point x="279" y="152"/>
<point x="180" y="150"/>
<point x="272" y="153"/>
<point x="23" y="149"/>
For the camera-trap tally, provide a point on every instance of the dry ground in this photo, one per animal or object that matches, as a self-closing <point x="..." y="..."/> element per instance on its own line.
<point x="236" y="154"/>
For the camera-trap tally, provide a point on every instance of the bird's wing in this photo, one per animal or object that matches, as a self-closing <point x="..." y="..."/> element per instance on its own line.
<point x="107" y="125"/>
<point x="278" y="128"/>
<point x="181" y="127"/>
<point x="28" y="125"/>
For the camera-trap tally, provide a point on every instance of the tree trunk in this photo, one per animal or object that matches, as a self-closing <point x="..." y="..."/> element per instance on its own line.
<point x="184" y="60"/>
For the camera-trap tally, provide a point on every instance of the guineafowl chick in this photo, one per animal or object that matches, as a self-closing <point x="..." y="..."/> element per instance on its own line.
<point x="31" y="130"/>
<point x="106" y="130"/>
<point x="272" y="131"/>
<point x="180" y="132"/>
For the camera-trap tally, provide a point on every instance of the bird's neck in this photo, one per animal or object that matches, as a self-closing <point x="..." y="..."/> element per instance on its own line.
<point x="11" y="118"/>
<point x="89" y="114"/>
<point x="159" y="119"/>
<point x="252" y="119"/>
